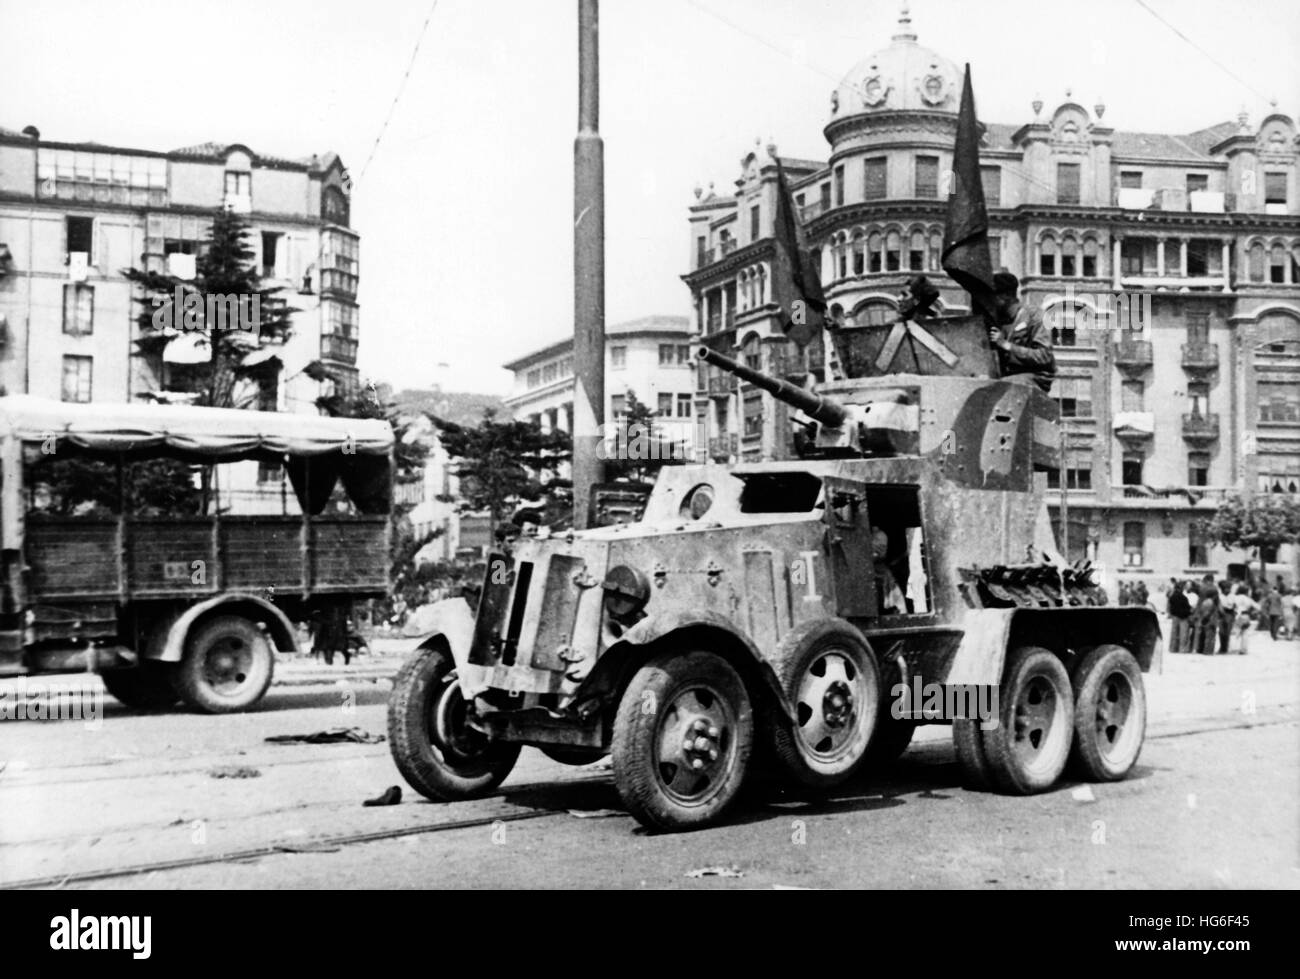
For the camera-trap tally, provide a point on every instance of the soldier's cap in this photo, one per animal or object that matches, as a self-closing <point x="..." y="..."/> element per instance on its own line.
<point x="1005" y="281"/>
<point x="922" y="291"/>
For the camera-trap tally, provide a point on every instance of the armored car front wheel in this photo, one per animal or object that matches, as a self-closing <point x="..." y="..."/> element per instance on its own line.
<point x="833" y="683"/>
<point x="682" y="740"/>
<point x="435" y="749"/>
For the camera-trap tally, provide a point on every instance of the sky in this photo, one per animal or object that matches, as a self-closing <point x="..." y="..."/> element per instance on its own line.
<point x="465" y="204"/>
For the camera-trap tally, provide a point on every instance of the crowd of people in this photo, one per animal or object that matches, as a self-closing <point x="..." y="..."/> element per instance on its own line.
<point x="1210" y="617"/>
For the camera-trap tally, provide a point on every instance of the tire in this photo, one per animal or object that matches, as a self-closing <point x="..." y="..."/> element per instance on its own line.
<point x="571" y="755"/>
<point x="438" y="755"/>
<point x="967" y="740"/>
<point x="891" y="740"/>
<point x="1110" y="714"/>
<point x="227" y="666"/>
<point x="682" y="740"/>
<point x="833" y="682"/>
<point x="146" y="686"/>
<point x="1028" y="749"/>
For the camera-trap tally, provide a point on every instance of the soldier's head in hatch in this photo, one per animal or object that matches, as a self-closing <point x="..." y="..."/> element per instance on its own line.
<point x="1006" y="288"/>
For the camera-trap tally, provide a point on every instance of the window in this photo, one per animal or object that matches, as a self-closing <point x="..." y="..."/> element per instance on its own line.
<point x="81" y="236"/>
<point x="893" y="247"/>
<point x="684" y="353"/>
<point x="699" y="251"/>
<point x="839" y="185"/>
<point x="753" y="223"/>
<point x="1198" y="398"/>
<point x="271" y="268"/>
<point x="995" y="251"/>
<point x="684" y="406"/>
<point x="1135" y="533"/>
<point x="1090" y="258"/>
<point x="825" y="191"/>
<point x="874" y="186"/>
<point x="859" y="255"/>
<point x="1197" y="182"/>
<point x="1198" y="469"/>
<point x="751" y="353"/>
<point x="1255" y="262"/>
<point x="1131" y="396"/>
<point x="1068" y="264"/>
<point x="1067" y="183"/>
<point x="754" y="415"/>
<point x="665" y="405"/>
<point x="798" y="201"/>
<point x="927" y="176"/>
<point x="1278" y="402"/>
<point x="1131" y="469"/>
<point x="1274" y="188"/>
<point x="78" y="309"/>
<point x="1198" y="554"/>
<point x="534" y="378"/>
<point x="1277" y="262"/>
<point x="916" y="253"/>
<point x="1064" y="329"/>
<point x="1078" y="472"/>
<point x="1279" y="474"/>
<point x="667" y="354"/>
<point x="77" y="373"/>
<point x="1047" y="257"/>
<point x="1130" y="179"/>
<point x="239" y="190"/>
<point x="991" y="179"/>
<point x="618" y="405"/>
<point x="269" y="472"/>
<point x="1075" y="395"/>
<point x="1198" y="327"/>
<point x="618" y="356"/>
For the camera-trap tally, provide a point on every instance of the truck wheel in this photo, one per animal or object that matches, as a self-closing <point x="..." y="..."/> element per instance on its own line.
<point x="891" y="740"/>
<point x="970" y="755"/>
<point x="437" y="752"/>
<point x="1028" y="749"/>
<point x="146" y="685"/>
<point x="1110" y="714"/>
<point x="682" y="739"/>
<point x="227" y="665"/>
<point x="833" y="683"/>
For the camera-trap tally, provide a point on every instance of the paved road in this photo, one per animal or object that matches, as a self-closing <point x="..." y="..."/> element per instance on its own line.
<point x="1214" y="803"/>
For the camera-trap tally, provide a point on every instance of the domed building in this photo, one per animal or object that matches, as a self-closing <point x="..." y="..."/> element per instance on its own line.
<point x="1167" y="265"/>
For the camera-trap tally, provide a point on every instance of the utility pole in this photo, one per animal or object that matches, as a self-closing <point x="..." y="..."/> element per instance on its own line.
<point x="588" y="270"/>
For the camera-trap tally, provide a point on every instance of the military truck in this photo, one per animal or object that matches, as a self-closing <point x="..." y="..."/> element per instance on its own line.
<point x="785" y="607"/>
<point x="189" y="606"/>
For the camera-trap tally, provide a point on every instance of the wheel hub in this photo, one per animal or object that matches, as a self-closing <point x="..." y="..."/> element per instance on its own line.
<point x="837" y="705"/>
<point x="694" y="743"/>
<point x="826" y="704"/>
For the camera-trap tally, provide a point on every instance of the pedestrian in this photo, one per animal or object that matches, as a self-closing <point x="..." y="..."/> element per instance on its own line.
<point x="1140" y="594"/>
<point x="1205" y="618"/>
<point x="1272" y="611"/>
<point x="1179" y="610"/>
<point x="1227" y="616"/>
<point x="1243" y="612"/>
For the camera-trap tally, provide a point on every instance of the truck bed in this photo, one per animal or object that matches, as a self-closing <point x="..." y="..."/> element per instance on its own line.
<point x="147" y="558"/>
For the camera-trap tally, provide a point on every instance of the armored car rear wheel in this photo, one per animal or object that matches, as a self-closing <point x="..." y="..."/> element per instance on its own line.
<point x="436" y="751"/>
<point x="1028" y="749"/>
<point x="682" y="740"/>
<point x="1110" y="714"/>
<point x="833" y="683"/>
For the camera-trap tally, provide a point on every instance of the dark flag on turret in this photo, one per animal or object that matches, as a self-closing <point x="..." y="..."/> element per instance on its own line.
<point x="966" y="232"/>
<point x="796" y="286"/>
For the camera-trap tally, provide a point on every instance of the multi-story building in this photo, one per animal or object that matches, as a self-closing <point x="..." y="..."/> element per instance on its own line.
<point x="74" y="215"/>
<point x="1195" y="237"/>
<point x="649" y="358"/>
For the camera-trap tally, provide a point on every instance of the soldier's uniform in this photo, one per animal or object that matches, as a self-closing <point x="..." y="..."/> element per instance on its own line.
<point x="1028" y="343"/>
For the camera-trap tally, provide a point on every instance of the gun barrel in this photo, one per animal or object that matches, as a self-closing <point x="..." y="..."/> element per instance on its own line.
<point x="816" y="407"/>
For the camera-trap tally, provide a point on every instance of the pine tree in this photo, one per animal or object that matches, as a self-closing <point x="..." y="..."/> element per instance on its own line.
<point x="640" y="449"/>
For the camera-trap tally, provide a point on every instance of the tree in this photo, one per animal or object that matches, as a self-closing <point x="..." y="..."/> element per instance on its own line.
<point x="68" y="484"/>
<point x="499" y="462"/>
<point x="224" y="270"/>
<point x="1257" y="522"/>
<point x="640" y="449"/>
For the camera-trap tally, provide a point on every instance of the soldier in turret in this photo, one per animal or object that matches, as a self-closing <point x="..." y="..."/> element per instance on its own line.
<point x="1022" y="341"/>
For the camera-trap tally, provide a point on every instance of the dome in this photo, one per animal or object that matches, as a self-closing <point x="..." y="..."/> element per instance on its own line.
<point x="902" y="77"/>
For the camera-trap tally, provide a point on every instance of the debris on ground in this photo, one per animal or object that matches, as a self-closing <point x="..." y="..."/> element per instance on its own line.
<point x="1083" y="794"/>
<point x="595" y="813"/>
<point x="732" y="871"/>
<point x="306" y="848"/>
<point x="334" y="735"/>
<point x="234" y="771"/>
<point x="391" y="797"/>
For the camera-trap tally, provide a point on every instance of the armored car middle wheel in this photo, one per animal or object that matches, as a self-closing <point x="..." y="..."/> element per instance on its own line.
<point x="833" y="683"/>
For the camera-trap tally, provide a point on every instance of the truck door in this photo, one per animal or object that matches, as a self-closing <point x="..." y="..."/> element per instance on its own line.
<point x="848" y="547"/>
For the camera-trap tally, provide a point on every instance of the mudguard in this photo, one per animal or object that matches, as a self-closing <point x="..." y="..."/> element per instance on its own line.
<point x="168" y="642"/>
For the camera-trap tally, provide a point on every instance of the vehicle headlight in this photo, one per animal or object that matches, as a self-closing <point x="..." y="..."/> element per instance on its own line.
<point x="626" y="592"/>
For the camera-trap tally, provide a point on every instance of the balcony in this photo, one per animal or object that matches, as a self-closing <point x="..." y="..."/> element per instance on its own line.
<point x="717" y="252"/>
<point x="1133" y="355"/>
<point x="1164" y="496"/>
<point x="1200" y="357"/>
<point x="720" y="384"/>
<point x="1201" y="429"/>
<point x="1135" y="428"/>
<point x="810" y="211"/>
